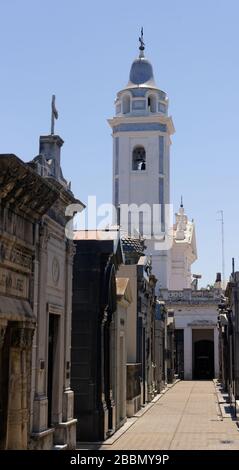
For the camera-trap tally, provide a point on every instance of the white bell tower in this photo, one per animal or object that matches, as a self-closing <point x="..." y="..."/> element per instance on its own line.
<point x="141" y="130"/>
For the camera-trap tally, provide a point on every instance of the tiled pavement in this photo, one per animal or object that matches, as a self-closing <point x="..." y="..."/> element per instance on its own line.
<point x="186" y="417"/>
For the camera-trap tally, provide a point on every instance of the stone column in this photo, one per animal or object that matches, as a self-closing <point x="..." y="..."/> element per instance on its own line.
<point x="188" y="353"/>
<point x="40" y="405"/>
<point x="19" y="380"/>
<point x="216" y="353"/>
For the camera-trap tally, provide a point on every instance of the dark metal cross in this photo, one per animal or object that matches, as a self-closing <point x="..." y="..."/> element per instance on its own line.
<point x="141" y="40"/>
<point x="54" y="114"/>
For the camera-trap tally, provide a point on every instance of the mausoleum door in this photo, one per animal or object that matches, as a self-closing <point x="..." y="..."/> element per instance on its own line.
<point x="203" y="360"/>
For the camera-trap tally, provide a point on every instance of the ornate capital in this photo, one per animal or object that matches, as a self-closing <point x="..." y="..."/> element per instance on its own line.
<point x="44" y="236"/>
<point x="70" y="248"/>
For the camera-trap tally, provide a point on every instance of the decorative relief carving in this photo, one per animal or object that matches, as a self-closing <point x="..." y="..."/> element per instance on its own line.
<point x="15" y="255"/>
<point x="13" y="283"/>
<point x="55" y="270"/>
<point x="18" y="416"/>
<point x="21" y="258"/>
<point x="16" y="225"/>
<point x="70" y="248"/>
<point x="44" y="237"/>
<point x="22" y="337"/>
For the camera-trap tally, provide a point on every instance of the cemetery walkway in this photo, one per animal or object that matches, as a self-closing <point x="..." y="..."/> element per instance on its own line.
<point x="187" y="417"/>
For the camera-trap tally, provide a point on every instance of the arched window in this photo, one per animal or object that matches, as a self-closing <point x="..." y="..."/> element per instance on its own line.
<point x="126" y="104"/>
<point x="152" y="103"/>
<point x="139" y="158"/>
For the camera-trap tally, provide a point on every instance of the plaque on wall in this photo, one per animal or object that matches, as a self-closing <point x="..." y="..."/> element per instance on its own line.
<point x="12" y="283"/>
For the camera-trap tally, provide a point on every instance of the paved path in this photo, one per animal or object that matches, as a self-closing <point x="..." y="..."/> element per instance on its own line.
<point x="186" y="417"/>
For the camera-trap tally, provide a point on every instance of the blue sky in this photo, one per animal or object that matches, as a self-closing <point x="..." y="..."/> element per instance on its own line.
<point x="82" y="52"/>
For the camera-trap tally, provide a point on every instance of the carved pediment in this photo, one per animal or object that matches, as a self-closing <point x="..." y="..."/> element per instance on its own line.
<point x="24" y="188"/>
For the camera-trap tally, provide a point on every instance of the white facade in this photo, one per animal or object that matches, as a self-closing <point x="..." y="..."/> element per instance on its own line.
<point x="196" y="317"/>
<point x="195" y="311"/>
<point x="141" y="146"/>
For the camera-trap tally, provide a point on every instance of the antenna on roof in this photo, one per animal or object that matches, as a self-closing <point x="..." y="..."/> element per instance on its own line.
<point x="222" y="247"/>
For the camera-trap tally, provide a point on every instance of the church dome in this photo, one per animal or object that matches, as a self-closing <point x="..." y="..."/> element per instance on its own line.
<point x="141" y="74"/>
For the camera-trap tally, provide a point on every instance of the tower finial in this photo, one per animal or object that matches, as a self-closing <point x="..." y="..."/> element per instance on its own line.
<point x="181" y="205"/>
<point x="142" y="43"/>
<point x="54" y="114"/>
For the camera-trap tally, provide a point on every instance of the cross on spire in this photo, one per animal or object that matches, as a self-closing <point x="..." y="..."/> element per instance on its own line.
<point x="142" y="43"/>
<point x="54" y="114"/>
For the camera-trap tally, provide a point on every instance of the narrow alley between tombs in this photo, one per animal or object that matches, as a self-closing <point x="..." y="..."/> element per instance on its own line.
<point x="187" y="417"/>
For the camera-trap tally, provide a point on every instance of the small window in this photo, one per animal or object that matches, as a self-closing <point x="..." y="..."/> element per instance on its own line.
<point x="139" y="159"/>
<point x="126" y="104"/>
<point x="152" y="103"/>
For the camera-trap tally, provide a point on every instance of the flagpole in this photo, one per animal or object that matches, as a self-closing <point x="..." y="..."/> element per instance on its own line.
<point x="222" y="247"/>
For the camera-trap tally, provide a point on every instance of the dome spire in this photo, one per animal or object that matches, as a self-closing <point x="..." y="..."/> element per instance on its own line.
<point x="141" y="72"/>
<point x="142" y="44"/>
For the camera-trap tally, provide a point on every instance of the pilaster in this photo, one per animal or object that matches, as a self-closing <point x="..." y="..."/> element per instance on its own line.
<point x="188" y="353"/>
<point x="40" y="404"/>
